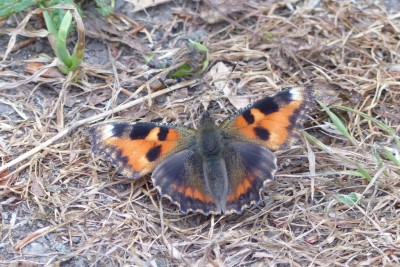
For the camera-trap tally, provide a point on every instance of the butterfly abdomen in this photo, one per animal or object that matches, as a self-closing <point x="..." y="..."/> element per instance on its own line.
<point x="211" y="147"/>
<point x="216" y="178"/>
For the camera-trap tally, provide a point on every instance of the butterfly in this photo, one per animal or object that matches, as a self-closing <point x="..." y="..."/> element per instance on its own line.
<point x="215" y="169"/>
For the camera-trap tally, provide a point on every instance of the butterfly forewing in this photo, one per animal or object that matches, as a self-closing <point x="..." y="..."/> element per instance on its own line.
<point x="272" y="121"/>
<point x="137" y="148"/>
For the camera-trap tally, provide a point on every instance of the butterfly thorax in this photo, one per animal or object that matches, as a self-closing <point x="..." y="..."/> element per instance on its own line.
<point x="211" y="146"/>
<point x="209" y="140"/>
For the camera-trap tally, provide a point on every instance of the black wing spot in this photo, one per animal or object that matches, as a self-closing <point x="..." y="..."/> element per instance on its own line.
<point x="261" y="133"/>
<point x="285" y="96"/>
<point x="271" y="104"/>
<point x="267" y="106"/>
<point x="248" y="117"/>
<point x="140" y="130"/>
<point x="154" y="153"/>
<point x="118" y="129"/>
<point x="163" y="133"/>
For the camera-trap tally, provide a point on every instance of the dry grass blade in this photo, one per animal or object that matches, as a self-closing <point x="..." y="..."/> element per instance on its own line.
<point x="31" y="237"/>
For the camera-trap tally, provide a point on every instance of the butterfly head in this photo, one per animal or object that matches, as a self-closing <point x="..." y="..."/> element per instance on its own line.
<point x="206" y="119"/>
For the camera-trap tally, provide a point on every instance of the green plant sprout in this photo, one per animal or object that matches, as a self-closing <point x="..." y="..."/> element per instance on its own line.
<point x="196" y="49"/>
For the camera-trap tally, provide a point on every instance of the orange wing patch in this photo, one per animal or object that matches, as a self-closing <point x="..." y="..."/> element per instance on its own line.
<point x="241" y="189"/>
<point x="272" y="120"/>
<point x="192" y="193"/>
<point x="137" y="148"/>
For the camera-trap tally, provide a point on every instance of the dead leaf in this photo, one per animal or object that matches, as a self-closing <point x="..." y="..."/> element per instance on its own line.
<point x="4" y="178"/>
<point x="312" y="239"/>
<point x="219" y="10"/>
<point x="220" y="75"/>
<point x="99" y="97"/>
<point x="33" y="67"/>
<point x="4" y="175"/>
<point x="143" y="4"/>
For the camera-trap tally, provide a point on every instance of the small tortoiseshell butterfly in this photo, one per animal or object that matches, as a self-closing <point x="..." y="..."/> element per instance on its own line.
<point x="214" y="170"/>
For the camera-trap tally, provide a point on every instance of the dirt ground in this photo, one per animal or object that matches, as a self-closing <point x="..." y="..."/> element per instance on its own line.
<point x="63" y="205"/>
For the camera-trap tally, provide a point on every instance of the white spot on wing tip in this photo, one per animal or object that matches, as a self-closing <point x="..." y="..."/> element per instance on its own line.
<point x="107" y="131"/>
<point x="297" y="93"/>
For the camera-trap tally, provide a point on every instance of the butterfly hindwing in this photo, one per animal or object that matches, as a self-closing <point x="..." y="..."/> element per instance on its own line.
<point x="273" y="120"/>
<point x="136" y="148"/>
<point x="250" y="167"/>
<point x="181" y="179"/>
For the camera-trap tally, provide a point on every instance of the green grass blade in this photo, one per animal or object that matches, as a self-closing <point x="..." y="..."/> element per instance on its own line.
<point x="391" y="157"/>
<point x="203" y="49"/>
<point x="105" y="7"/>
<point x="61" y="43"/>
<point x="49" y="23"/>
<point x="377" y="157"/>
<point x="363" y="172"/>
<point x="316" y="142"/>
<point x="389" y="130"/>
<point x="350" y="199"/>
<point x="339" y="124"/>
<point x="182" y="71"/>
<point x="186" y="69"/>
<point x="79" y="49"/>
<point x="10" y="7"/>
